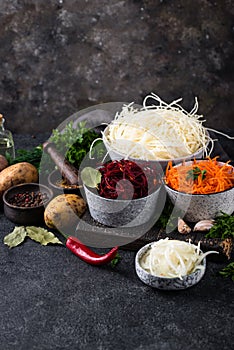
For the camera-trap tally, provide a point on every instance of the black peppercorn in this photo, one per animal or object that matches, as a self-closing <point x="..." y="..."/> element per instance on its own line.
<point x="28" y="199"/>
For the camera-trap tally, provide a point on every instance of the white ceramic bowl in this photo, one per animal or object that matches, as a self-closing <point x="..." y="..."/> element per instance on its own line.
<point x="196" y="207"/>
<point x="116" y="155"/>
<point x="166" y="283"/>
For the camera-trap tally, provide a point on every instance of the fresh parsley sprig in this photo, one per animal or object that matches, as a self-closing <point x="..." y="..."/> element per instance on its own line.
<point x="223" y="227"/>
<point x="228" y="271"/>
<point x="194" y="173"/>
<point x="32" y="156"/>
<point x="74" y="142"/>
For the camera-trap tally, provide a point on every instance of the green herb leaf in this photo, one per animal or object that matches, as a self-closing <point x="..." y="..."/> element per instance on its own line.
<point x="16" y="237"/>
<point x="91" y="177"/>
<point x="223" y="227"/>
<point x="203" y="174"/>
<point x="166" y="219"/>
<point x="75" y="142"/>
<point x="228" y="271"/>
<point x="32" y="156"/>
<point x="116" y="260"/>
<point x="41" y="235"/>
<point x="194" y="173"/>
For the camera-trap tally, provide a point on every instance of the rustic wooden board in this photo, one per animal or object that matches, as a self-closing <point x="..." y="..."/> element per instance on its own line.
<point x="105" y="233"/>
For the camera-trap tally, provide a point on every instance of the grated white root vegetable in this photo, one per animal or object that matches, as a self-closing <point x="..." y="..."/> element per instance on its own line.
<point x="173" y="258"/>
<point x="162" y="131"/>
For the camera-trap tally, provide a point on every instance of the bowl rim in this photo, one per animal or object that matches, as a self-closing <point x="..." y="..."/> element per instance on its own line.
<point x="51" y="183"/>
<point x="145" y="248"/>
<point x="163" y="160"/>
<point x="169" y="188"/>
<point x="50" y="192"/>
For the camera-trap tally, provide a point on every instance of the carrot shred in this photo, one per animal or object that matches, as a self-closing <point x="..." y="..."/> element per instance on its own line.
<point x="200" y="177"/>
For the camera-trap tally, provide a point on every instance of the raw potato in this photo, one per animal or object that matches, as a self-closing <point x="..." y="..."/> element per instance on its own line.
<point x="64" y="211"/>
<point x="17" y="174"/>
<point x="3" y="162"/>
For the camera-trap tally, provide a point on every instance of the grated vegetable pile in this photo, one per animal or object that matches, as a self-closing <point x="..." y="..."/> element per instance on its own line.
<point x="173" y="258"/>
<point x="157" y="132"/>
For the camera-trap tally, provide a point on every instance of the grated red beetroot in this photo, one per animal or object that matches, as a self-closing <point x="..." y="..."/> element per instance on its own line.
<point x="124" y="179"/>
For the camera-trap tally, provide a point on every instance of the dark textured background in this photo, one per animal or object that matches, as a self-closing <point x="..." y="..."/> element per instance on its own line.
<point x="58" y="57"/>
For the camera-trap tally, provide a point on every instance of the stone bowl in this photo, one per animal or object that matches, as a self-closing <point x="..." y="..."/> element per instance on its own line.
<point x="196" y="207"/>
<point x="116" y="212"/>
<point x="26" y="215"/>
<point x="116" y="155"/>
<point x="55" y="180"/>
<point x="166" y="283"/>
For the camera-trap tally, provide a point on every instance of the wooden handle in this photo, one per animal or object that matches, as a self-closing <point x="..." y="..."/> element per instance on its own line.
<point x="67" y="170"/>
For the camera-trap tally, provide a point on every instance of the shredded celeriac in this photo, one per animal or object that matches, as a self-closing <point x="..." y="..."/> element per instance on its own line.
<point x="173" y="258"/>
<point x="157" y="132"/>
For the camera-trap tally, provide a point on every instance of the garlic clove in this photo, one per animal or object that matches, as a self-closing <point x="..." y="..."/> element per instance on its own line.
<point x="203" y="225"/>
<point x="183" y="227"/>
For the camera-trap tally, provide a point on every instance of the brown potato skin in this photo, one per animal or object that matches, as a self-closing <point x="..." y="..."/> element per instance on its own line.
<point x="17" y="174"/>
<point x="64" y="210"/>
<point x="3" y="162"/>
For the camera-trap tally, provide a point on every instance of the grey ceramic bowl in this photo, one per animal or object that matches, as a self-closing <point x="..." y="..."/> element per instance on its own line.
<point x="26" y="215"/>
<point x="116" y="213"/>
<point x="116" y="155"/>
<point x="196" y="207"/>
<point x="166" y="283"/>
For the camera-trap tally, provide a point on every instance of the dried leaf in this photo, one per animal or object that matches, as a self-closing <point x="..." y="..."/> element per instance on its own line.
<point x="91" y="177"/>
<point x="41" y="235"/>
<point x="16" y="237"/>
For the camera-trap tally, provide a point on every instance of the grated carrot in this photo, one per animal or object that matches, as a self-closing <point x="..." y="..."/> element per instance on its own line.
<point x="212" y="176"/>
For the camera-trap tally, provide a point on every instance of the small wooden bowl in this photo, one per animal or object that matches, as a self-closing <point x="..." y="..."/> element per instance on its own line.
<point x="26" y="215"/>
<point x="53" y="180"/>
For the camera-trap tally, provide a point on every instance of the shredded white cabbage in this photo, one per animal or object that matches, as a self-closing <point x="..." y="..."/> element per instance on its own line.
<point x="173" y="258"/>
<point x="157" y="132"/>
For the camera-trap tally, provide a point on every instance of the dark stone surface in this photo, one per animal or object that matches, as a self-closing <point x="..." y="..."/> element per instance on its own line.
<point x="49" y="299"/>
<point x="58" y="57"/>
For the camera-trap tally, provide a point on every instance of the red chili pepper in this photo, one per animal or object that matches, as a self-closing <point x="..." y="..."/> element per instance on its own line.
<point x="87" y="255"/>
